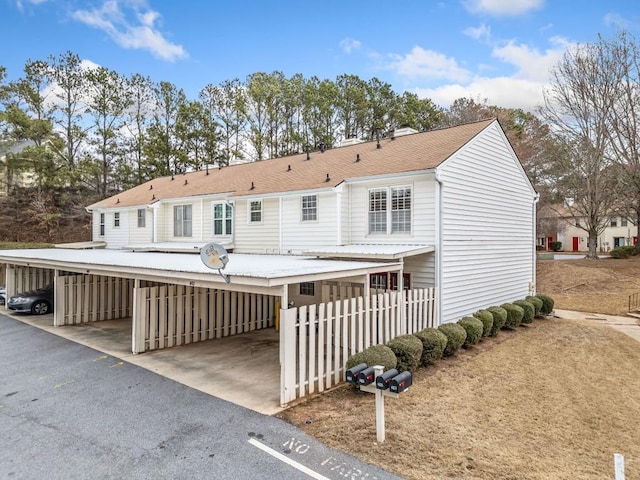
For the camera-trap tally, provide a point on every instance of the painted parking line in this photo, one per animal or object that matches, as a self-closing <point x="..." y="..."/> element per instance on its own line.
<point x="287" y="460"/>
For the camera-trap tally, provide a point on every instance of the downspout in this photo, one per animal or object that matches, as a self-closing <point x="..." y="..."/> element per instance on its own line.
<point x="202" y="219"/>
<point x="339" y="214"/>
<point x="154" y="222"/>
<point x="438" y="265"/>
<point x="532" y="286"/>
<point x="280" y="234"/>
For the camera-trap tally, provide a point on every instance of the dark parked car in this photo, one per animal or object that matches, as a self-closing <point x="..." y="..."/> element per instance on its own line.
<point x="36" y="302"/>
<point x="3" y="295"/>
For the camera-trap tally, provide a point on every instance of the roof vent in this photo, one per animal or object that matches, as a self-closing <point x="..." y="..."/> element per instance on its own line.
<point x="150" y="187"/>
<point x="252" y="186"/>
<point x="327" y="179"/>
<point x="185" y="181"/>
<point x="357" y="158"/>
<point x="288" y="168"/>
<point x="117" y="201"/>
<point x="308" y="156"/>
<point x="153" y="197"/>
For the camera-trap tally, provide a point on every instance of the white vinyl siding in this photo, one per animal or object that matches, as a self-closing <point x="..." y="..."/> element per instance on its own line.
<point x="487" y="227"/>
<point x="298" y="236"/>
<point x="116" y="237"/>
<point x="422" y="269"/>
<point x="139" y="234"/>
<point x="260" y="237"/>
<point x="422" y="215"/>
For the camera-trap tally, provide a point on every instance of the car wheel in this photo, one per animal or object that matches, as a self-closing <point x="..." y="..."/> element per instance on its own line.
<point x="40" y="308"/>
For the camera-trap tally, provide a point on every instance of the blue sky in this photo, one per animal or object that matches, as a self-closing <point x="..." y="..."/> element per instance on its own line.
<point x="499" y="50"/>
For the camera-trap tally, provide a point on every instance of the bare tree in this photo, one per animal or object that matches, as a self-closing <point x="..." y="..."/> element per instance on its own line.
<point x="577" y="105"/>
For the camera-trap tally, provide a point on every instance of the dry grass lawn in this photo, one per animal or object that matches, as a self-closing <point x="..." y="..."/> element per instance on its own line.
<point x="553" y="400"/>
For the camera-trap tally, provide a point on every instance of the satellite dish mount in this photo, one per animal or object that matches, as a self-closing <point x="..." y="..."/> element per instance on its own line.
<point x="215" y="256"/>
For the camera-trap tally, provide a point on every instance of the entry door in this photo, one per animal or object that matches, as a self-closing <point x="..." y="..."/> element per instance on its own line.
<point x="549" y="240"/>
<point x="575" y="244"/>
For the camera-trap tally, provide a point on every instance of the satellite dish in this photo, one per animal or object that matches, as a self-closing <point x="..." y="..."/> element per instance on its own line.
<point x="215" y="256"/>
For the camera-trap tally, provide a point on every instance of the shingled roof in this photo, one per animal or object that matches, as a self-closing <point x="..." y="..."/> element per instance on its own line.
<point x="409" y="153"/>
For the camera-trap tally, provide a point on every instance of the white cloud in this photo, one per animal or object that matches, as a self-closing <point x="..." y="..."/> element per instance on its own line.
<point x="137" y="32"/>
<point x="616" y="20"/>
<point x="483" y="32"/>
<point x="421" y="63"/>
<point x="20" y="3"/>
<point x="531" y="64"/>
<point x="502" y="7"/>
<point x="349" y="44"/>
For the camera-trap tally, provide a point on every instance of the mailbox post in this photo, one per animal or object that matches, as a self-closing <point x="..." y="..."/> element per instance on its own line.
<point x="387" y="384"/>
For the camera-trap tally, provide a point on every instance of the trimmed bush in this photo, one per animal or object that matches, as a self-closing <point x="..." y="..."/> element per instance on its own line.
<point x="374" y="355"/>
<point x="499" y="319"/>
<point x="556" y="246"/>
<point x="408" y="351"/>
<point x="622" y="252"/>
<point x="433" y="345"/>
<point x="529" y="310"/>
<point x="514" y="315"/>
<point x="486" y="317"/>
<point x="456" y="336"/>
<point x="547" y="304"/>
<point x="474" y="328"/>
<point x="537" y="304"/>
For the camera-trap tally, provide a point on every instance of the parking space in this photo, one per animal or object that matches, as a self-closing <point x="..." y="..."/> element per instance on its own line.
<point x="243" y="369"/>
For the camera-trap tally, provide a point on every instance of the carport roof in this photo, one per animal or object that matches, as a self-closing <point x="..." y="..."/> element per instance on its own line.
<point x="377" y="252"/>
<point x="247" y="269"/>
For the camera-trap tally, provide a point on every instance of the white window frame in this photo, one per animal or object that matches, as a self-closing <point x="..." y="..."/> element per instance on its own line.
<point x="226" y="220"/>
<point x="250" y="211"/>
<point x="116" y="219"/>
<point x="309" y="208"/>
<point x="387" y="218"/>
<point x="142" y="218"/>
<point x="102" y="224"/>
<point x="180" y="222"/>
<point x="624" y="222"/>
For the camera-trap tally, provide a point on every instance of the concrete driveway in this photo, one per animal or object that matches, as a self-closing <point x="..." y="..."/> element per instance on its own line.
<point x="243" y="369"/>
<point x="627" y="325"/>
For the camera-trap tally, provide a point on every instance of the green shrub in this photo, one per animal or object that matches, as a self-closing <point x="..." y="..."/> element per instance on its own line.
<point x="556" y="246"/>
<point x="374" y="355"/>
<point x="547" y="304"/>
<point x="622" y="252"/>
<point x="499" y="319"/>
<point x="474" y="328"/>
<point x="408" y="351"/>
<point x="514" y="315"/>
<point x="433" y="344"/>
<point x="537" y="304"/>
<point x="486" y="317"/>
<point x="529" y="310"/>
<point x="456" y="336"/>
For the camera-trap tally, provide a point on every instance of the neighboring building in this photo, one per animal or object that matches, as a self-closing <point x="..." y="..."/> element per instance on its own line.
<point x="560" y="224"/>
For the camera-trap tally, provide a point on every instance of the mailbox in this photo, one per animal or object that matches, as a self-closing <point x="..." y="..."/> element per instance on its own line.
<point x="367" y="376"/>
<point x="383" y="381"/>
<point x="351" y="375"/>
<point x="401" y="382"/>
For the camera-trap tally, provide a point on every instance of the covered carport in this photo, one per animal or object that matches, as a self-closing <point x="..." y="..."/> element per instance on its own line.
<point x="173" y="299"/>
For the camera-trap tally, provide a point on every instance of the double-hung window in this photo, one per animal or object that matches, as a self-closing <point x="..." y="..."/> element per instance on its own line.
<point x="102" y="224"/>
<point x="222" y="219"/>
<point x="182" y="221"/>
<point x="255" y="211"/>
<point x="390" y="210"/>
<point x="309" y="208"/>
<point x="116" y="220"/>
<point x="141" y="218"/>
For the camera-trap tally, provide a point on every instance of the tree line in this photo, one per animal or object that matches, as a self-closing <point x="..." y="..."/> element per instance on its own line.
<point x="95" y="131"/>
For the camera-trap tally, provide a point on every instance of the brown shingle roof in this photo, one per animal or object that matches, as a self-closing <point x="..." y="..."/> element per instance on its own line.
<point x="419" y="151"/>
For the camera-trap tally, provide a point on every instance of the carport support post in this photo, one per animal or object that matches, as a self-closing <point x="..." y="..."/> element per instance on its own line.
<point x="58" y="295"/>
<point x="139" y="314"/>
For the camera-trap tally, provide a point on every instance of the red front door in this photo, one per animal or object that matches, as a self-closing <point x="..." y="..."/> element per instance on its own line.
<point x="549" y="240"/>
<point x="575" y="244"/>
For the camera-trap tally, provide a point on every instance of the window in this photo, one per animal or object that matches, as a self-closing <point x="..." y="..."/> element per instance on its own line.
<point x="378" y="281"/>
<point x="222" y="219"/>
<point x="400" y="209"/>
<point x="624" y="222"/>
<point x="577" y="222"/>
<point x="182" y="221"/>
<point x="378" y="211"/>
<point x="390" y="210"/>
<point x="102" y="224"/>
<point x="308" y="288"/>
<point x="141" y="218"/>
<point x="309" y="207"/>
<point x="255" y="211"/>
<point x="116" y="220"/>
<point x="614" y="222"/>
<point x="406" y="281"/>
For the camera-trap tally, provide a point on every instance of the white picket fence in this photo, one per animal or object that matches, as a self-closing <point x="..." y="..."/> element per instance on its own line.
<point x="172" y="315"/>
<point x="317" y="340"/>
